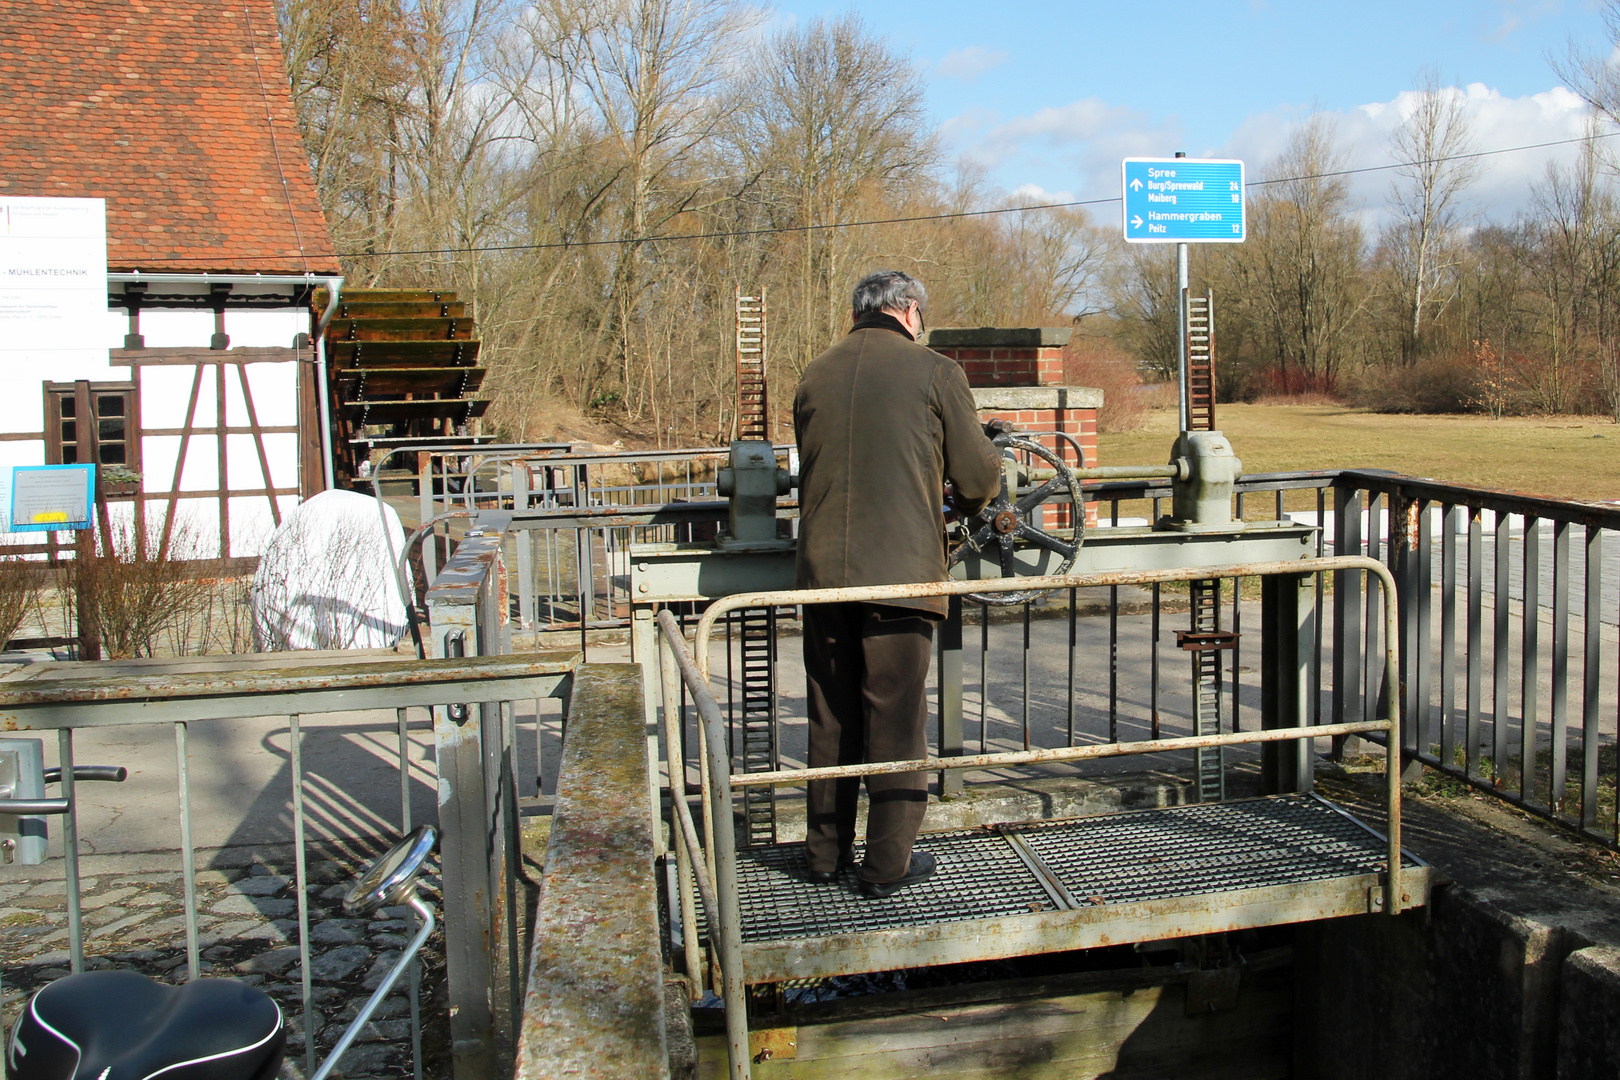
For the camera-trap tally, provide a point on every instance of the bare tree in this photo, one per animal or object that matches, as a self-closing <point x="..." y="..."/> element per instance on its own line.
<point x="1431" y="146"/>
<point x="651" y="70"/>
<point x="1575" y="262"/>
<point x="825" y="119"/>
<point x="1298" y="279"/>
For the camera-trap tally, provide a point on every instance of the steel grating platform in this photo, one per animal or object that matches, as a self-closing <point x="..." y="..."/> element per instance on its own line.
<point x="1009" y="890"/>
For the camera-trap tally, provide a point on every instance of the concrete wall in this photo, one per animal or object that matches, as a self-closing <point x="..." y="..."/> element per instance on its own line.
<point x="1589" y="1015"/>
<point x="1463" y="988"/>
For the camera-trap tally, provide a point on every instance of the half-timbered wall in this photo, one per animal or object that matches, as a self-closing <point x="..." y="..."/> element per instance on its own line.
<point x="203" y="415"/>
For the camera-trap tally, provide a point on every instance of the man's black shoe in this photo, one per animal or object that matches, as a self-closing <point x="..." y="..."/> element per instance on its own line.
<point x="922" y="866"/>
<point x="828" y="877"/>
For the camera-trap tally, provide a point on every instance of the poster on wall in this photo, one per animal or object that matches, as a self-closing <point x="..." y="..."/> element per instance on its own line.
<point x="53" y="274"/>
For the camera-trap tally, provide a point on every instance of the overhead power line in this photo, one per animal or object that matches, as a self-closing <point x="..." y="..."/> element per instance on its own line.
<point x="912" y="218"/>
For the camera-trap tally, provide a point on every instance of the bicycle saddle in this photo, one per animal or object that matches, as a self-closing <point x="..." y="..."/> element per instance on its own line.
<point x="117" y="1025"/>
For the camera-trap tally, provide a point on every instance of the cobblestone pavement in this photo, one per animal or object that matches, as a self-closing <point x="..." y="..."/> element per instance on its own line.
<point x="248" y="930"/>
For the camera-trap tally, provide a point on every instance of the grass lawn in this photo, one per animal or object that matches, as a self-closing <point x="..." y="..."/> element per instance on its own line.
<point x="1570" y="457"/>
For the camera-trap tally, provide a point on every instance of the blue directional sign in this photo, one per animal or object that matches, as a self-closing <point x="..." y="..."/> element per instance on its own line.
<point x="1183" y="201"/>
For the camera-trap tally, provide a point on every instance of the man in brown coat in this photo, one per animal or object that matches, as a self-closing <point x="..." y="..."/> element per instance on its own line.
<point x="882" y="423"/>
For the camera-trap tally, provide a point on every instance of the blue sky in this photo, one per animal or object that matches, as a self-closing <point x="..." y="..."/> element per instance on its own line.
<point x="1048" y="96"/>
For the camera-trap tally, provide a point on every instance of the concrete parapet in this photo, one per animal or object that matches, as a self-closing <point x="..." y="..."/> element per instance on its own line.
<point x="1462" y="988"/>
<point x="595" y="1005"/>
<point x="1589" y="1017"/>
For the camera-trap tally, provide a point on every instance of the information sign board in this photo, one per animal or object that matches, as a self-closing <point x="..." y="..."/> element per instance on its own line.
<point x="45" y="498"/>
<point x="53" y="274"/>
<point x="1183" y="201"/>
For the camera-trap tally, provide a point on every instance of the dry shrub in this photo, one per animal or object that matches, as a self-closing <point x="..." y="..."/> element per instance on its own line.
<point x="1317" y="398"/>
<point x="1099" y="363"/>
<point x="1436" y="384"/>
<point x="1274" y="387"/>
<point x="22" y="584"/>
<point x="322" y="582"/>
<point x="136" y="590"/>
<point x="220" y="622"/>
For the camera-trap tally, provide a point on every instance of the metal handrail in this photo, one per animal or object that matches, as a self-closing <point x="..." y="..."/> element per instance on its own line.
<point x="726" y="917"/>
<point x="783" y="777"/>
<point x="718" y="781"/>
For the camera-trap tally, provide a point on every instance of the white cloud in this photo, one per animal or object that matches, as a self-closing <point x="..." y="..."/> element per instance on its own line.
<point x="1078" y="146"/>
<point x="1084" y="140"/>
<point x="1034" y="193"/>
<point x="969" y="63"/>
<point x="1505" y="180"/>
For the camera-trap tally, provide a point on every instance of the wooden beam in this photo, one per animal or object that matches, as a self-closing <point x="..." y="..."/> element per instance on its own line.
<point x="201" y="354"/>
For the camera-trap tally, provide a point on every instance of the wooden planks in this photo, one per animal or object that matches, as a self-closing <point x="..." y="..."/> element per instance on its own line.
<point x="403" y="363"/>
<point x="399" y="381"/>
<point x="1124" y="1025"/>
<point x="369" y="329"/>
<point x="458" y="353"/>
<point x="393" y="410"/>
<point x="399" y="309"/>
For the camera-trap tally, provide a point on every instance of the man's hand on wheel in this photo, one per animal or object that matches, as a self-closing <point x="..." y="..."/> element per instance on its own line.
<point x="992" y="428"/>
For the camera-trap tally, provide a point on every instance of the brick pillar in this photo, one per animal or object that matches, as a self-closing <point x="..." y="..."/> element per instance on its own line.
<point x="1017" y="375"/>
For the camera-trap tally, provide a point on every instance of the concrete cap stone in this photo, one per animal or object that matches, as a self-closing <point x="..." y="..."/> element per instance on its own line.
<point x="1019" y="398"/>
<point x="999" y="337"/>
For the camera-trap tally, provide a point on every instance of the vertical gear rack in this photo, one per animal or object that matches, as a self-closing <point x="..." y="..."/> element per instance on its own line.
<point x="754" y="714"/>
<point x="1200" y="339"/>
<point x="1205" y="640"/>
<point x="753" y="717"/>
<point x="753" y="399"/>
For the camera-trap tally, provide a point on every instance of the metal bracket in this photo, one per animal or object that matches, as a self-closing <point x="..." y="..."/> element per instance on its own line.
<point x="1202" y="641"/>
<point x="22" y="777"/>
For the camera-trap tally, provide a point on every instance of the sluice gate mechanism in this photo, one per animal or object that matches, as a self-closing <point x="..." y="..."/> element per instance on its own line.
<point x="741" y="912"/>
<point x="1006" y="890"/>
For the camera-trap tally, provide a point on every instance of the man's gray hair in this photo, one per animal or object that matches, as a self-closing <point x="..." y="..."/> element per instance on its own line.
<point x="887" y="290"/>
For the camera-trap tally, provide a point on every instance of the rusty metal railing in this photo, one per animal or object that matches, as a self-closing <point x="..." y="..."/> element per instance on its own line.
<point x="712" y="861"/>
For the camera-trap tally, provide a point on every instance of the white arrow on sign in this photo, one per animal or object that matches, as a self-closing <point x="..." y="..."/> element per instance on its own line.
<point x="1136" y="222"/>
<point x="1136" y="184"/>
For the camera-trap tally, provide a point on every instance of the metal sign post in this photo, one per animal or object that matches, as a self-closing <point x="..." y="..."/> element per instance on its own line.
<point x="1183" y="201"/>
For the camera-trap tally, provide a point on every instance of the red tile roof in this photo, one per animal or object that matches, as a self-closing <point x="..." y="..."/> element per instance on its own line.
<point x="178" y="113"/>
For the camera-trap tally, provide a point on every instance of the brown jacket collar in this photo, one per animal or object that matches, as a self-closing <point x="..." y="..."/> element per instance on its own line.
<point x="881" y="320"/>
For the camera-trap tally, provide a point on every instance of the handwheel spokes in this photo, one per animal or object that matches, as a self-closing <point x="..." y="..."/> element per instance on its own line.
<point x="1039" y="495"/>
<point x="1009" y="557"/>
<point x="1005" y="522"/>
<point x="1046" y="540"/>
<point x="974" y="542"/>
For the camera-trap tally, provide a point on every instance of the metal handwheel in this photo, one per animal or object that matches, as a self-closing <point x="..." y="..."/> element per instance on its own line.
<point x="1004" y="522"/>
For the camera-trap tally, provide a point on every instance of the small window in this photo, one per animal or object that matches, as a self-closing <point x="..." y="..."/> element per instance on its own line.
<point x="113" y="427"/>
